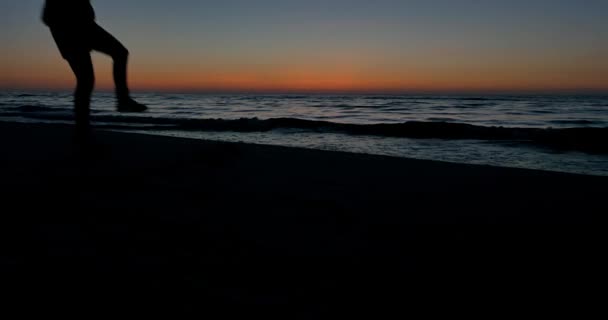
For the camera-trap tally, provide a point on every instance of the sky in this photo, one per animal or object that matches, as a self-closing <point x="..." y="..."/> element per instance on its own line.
<point x="327" y="45"/>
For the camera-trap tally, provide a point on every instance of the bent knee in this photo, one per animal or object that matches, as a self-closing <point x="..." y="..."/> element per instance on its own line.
<point x="121" y="53"/>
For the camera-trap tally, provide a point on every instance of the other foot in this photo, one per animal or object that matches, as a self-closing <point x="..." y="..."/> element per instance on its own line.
<point x="130" y="105"/>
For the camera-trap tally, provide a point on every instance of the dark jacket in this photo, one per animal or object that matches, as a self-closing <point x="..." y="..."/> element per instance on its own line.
<point x="59" y="13"/>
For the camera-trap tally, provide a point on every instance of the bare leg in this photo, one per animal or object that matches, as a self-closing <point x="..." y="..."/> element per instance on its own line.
<point x="106" y="43"/>
<point x="82" y="67"/>
<point x="120" y="75"/>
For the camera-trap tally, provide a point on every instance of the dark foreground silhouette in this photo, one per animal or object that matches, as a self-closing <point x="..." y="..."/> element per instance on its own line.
<point x="224" y="230"/>
<point x="72" y="24"/>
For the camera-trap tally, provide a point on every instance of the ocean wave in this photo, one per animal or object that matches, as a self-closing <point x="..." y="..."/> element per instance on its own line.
<point x="587" y="139"/>
<point x="273" y="97"/>
<point x="441" y="119"/>
<point x="470" y="105"/>
<point x="343" y="106"/>
<point x="390" y="97"/>
<point x="573" y="122"/>
<point x="430" y="97"/>
<point x="542" y="111"/>
<point x="35" y="108"/>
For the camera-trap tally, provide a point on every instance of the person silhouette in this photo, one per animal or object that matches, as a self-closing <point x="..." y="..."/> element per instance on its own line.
<point x="76" y="33"/>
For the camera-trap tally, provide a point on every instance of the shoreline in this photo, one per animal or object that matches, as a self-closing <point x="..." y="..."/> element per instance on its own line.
<point x="136" y="131"/>
<point x="523" y="144"/>
<point x="529" y="155"/>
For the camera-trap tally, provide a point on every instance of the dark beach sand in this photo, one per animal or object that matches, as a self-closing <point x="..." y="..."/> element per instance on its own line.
<point x="154" y="224"/>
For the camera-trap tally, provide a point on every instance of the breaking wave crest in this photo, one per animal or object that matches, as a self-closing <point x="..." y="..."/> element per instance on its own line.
<point x="584" y="139"/>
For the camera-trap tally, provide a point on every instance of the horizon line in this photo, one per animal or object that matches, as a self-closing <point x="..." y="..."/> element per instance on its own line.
<point x="573" y="91"/>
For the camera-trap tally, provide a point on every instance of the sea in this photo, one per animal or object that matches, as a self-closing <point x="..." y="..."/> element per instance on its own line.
<point x="521" y="131"/>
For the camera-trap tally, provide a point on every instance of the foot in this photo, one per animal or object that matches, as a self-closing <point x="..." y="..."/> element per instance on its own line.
<point x="130" y="105"/>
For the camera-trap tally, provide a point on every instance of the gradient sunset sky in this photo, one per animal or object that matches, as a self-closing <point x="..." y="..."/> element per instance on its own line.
<point x="327" y="45"/>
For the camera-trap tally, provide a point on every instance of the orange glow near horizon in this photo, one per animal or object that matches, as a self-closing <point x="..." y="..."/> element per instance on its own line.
<point x="57" y="75"/>
<point x="365" y="73"/>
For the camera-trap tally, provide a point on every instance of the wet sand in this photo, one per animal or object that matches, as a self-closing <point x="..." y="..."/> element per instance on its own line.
<point x="157" y="224"/>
